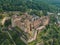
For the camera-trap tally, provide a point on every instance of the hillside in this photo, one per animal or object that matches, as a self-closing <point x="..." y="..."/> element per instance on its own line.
<point x="25" y="5"/>
<point x="9" y="35"/>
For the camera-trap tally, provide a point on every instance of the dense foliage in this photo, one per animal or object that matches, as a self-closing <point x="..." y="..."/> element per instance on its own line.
<point x="52" y="2"/>
<point x="25" y="5"/>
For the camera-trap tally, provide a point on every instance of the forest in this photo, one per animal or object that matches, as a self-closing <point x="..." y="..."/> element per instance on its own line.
<point x="26" y="5"/>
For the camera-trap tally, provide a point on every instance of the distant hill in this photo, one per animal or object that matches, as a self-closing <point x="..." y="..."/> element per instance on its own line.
<point x="52" y="2"/>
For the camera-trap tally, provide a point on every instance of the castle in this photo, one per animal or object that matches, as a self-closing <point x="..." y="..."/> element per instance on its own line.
<point x="29" y="23"/>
